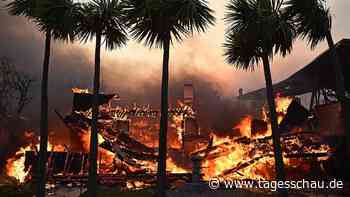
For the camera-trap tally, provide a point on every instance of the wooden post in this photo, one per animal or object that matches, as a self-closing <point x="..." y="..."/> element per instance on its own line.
<point x="196" y="169"/>
<point x="65" y="163"/>
<point x="312" y="99"/>
<point x="82" y="163"/>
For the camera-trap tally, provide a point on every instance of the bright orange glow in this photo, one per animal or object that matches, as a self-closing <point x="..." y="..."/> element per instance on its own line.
<point x="15" y="165"/>
<point x="282" y="103"/>
<point x="172" y="167"/>
<point x="244" y="126"/>
<point x="79" y="90"/>
<point x="226" y="156"/>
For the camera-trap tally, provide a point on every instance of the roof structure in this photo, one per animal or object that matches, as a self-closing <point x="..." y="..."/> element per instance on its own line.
<point x="83" y="101"/>
<point x="319" y="74"/>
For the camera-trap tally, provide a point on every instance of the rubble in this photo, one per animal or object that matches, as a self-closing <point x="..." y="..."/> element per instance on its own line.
<point x="128" y="146"/>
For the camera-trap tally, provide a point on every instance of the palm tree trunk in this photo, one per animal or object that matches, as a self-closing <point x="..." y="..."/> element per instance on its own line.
<point x="162" y="153"/>
<point x="340" y="88"/>
<point x="44" y="119"/>
<point x="279" y="166"/>
<point x="92" y="180"/>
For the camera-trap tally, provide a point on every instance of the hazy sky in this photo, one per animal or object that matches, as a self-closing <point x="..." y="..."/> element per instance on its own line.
<point x="203" y="54"/>
<point x="135" y="71"/>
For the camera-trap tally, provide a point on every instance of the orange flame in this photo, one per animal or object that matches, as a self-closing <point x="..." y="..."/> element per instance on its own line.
<point x="15" y="165"/>
<point x="227" y="154"/>
<point x="244" y="126"/>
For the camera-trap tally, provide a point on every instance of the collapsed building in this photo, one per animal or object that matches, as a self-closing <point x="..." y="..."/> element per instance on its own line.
<point x="128" y="138"/>
<point x="315" y="83"/>
<point x="128" y="145"/>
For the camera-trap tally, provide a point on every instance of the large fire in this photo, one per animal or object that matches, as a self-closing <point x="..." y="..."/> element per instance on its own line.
<point x="255" y="164"/>
<point x="245" y="156"/>
<point x="15" y="165"/>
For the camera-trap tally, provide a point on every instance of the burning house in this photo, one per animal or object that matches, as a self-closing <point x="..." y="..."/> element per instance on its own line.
<point x="316" y="83"/>
<point x="128" y="139"/>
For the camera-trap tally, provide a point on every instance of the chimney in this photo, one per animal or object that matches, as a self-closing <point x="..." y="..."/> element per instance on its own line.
<point x="240" y="92"/>
<point x="188" y="94"/>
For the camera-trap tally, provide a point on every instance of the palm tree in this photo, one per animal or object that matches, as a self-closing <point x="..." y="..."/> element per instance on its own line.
<point x="257" y="30"/>
<point x="100" y="19"/>
<point x="55" y="18"/>
<point x="314" y="23"/>
<point x="159" y="23"/>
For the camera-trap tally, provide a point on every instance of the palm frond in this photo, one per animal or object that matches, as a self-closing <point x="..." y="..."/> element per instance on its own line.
<point x="312" y="18"/>
<point x="27" y="8"/>
<point x="156" y="21"/>
<point x="194" y="15"/>
<point x="61" y="17"/>
<point x="257" y="27"/>
<point x="106" y="18"/>
<point x="57" y="16"/>
<point x="241" y="52"/>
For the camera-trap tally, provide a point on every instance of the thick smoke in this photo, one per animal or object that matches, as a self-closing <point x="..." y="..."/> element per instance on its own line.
<point x="134" y="79"/>
<point x="134" y="72"/>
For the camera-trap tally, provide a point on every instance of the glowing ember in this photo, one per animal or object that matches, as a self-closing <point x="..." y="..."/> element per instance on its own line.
<point x="225" y="161"/>
<point x="178" y="120"/>
<point x="248" y="156"/>
<point x="252" y="160"/>
<point x="136" y="185"/>
<point x="80" y="91"/>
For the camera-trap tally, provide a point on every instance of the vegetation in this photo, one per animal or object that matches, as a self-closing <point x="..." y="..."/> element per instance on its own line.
<point x="159" y="23"/>
<point x="102" y="20"/>
<point x="56" y="19"/>
<point x="14" y="89"/>
<point x="257" y="30"/>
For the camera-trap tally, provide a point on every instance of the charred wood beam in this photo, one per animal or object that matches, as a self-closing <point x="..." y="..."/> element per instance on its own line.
<point x="296" y="115"/>
<point x="68" y="120"/>
<point x="248" y="163"/>
<point x="243" y="165"/>
<point x="148" y="178"/>
<point x="61" y="162"/>
<point x="129" y="142"/>
<point x="263" y="144"/>
<point x="308" y="155"/>
<point x="146" y="156"/>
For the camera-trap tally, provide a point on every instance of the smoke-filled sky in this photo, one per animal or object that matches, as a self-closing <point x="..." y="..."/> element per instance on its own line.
<point x="135" y="70"/>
